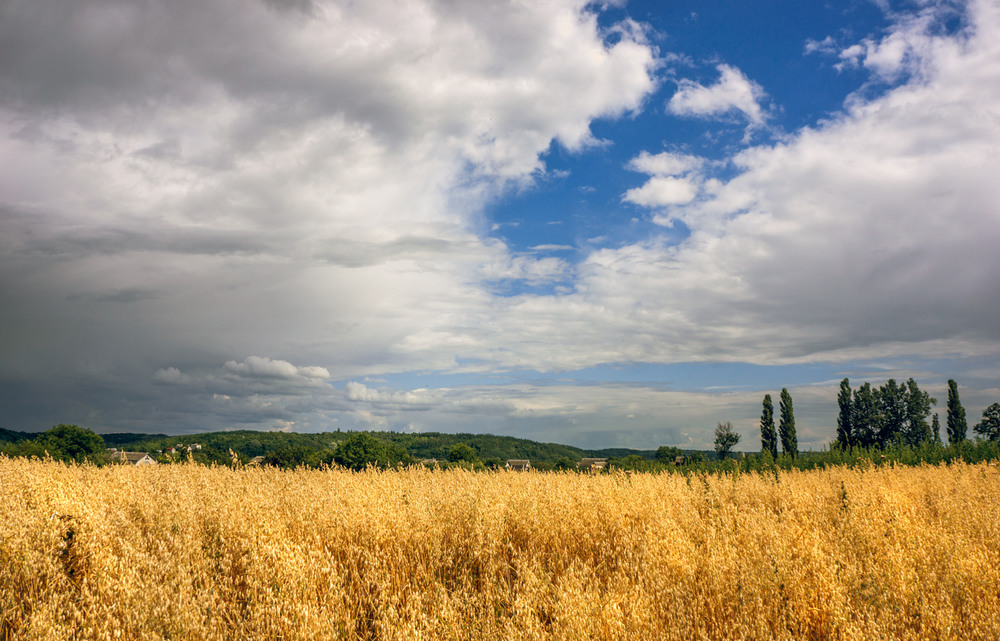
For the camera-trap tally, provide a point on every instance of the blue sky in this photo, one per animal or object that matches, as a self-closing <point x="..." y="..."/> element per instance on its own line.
<point x="598" y="224"/>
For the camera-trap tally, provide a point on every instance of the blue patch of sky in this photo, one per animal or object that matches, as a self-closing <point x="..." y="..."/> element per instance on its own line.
<point x="577" y="202"/>
<point x="717" y="377"/>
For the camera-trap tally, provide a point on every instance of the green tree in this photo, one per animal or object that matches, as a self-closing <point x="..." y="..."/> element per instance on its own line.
<point x="290" y="456"/>
<point x="361" y="450"/>
<point x="632" y="462"/>
<point x="936" y="429"/>
<point x="957" y="425"/>
<point x="72" y="443"/>
<point x="989" y="427"/>
<point x="866" y="416"/>
<point x="768" y="436"/>
<point x="845" y="420"/>
<point x="565" y="463"/>
<point x="725" y="439"/>
<point x="918" y="408"/>
<point x="667" y="454"/>
<point x="462" y="452"/>
<point x="786" y="424"/>
<point x="892" y="406"/>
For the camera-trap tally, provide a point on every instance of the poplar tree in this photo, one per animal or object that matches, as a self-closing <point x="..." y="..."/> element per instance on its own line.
<point x="918" y="408"/>
<point x="786" y="425"/>
<point x="936" y="429"/>
<point x="867" y="416"/>
<point x="845" y="420"/>
<point x="892" y="406"/>
<point x="957" y="426"/>
<point x="768" y="437"/>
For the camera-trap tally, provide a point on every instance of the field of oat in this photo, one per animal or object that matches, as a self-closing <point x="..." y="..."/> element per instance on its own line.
<point x="194" y="552"/>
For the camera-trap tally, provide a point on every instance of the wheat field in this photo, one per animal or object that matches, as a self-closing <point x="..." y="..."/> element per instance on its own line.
<point x="194" y="552"/>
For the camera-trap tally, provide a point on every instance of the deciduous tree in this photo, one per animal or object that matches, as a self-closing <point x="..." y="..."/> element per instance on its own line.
<point x="725" y="439"/>
<point x="989" y="427"/>
<point x="892" y="406"/>
<point x="72" y="443"/>
<point x="667" y="454"/>
<point x="462" y="452"/>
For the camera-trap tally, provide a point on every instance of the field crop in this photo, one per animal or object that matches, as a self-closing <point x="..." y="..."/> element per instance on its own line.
<point x="195" y="552"/>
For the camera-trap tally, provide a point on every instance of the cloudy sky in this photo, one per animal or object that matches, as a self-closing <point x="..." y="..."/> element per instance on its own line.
<point x="597" y="224"/>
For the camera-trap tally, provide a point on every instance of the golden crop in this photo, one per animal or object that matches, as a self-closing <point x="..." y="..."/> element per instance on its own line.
<point x="192" y="552"/>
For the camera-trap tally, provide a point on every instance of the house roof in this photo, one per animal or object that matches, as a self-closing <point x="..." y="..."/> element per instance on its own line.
<point x="131" y="457"/>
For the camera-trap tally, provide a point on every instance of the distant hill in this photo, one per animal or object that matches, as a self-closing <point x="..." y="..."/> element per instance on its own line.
<point x="125" y="438"/>
<point x="215" y="446"/>
<point x="12" y="436"/>
<point x="422" y="445"/>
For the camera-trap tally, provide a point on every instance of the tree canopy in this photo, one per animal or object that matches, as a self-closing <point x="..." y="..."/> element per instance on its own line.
<point x="989" y="427"/>
<point x="725" y="439"/>
<point x="73" y="443"/>
<point x="361" y="450"/>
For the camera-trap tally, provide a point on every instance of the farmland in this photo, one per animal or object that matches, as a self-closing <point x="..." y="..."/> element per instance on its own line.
<point x="199" y="552"/>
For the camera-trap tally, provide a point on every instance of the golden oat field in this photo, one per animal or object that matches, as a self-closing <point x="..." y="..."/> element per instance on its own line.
<point x="195" y="552"/>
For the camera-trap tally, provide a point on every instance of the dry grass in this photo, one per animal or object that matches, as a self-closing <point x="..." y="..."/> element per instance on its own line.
<point x="190" y="552"/>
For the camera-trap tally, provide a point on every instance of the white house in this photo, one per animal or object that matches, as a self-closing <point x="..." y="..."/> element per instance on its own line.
<point x="133" y="458"/>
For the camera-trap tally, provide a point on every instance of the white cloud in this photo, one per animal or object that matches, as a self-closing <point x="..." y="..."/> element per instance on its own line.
<point x="170" y="376"/>
<point x="733" y="92"/>
<point x="665" y="163"/>
<point x="662" y="191"/>
<point x="675" y="179"/>
<point x="826" y="45"/>
<point x="261" y="366"/>
<point x="871" y="233"/>
<point x="218" y="179"/>
<point x="237" y="179"/>
<point x="391" y="402"/>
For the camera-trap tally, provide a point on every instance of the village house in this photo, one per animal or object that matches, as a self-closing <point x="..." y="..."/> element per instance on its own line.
<point x="133" y="458"/>
<point x="594" y="464"/>
<point x="518" y="464"/>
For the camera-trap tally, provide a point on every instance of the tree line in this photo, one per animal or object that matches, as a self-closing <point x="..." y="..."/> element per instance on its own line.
<point x="891" y="415"/>
<point x="895" y="414"/>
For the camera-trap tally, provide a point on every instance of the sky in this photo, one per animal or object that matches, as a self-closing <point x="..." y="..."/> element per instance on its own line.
<point x="599" y="224"/>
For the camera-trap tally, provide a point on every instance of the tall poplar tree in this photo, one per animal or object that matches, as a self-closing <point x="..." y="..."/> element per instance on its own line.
<point x="786" y="424"/>
<point x="957" y="426"/>
<point x="768" y="437"/>
<point x="845" y="420"/>
<point x="918" y="408"/>
<point x="867" y="416"/>
<point x="892" y="406"/>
